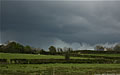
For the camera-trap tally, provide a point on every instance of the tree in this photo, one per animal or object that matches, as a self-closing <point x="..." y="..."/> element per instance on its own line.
<point x="13" y="47"/>
<point x="52" y="50"/>
<point x="20" y="48"/>
<point x="1" y="48"/>
<point x="42" y="51"/>
<point x="59" y="50"/>
<point x="117" y="47"/>
<point x="110" y="49"/>
<point x="67" y="56"/>
<point x="70" y="49"/>
<point x="67" y="49"/>
<point x="27" y="49"/>
<point x="67" y="52"/>
<point x="99" y="48"/>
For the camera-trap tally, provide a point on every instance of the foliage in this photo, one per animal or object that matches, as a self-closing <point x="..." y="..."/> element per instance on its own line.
<point x="99" y="48"/>
<point x="14" y="47"/>
<point x="67" y="57"/>
<point x="52" y="50"/>
<point x="28" y="49"/>
<point x="59" y="50"/>
<point x="117" y="47"/>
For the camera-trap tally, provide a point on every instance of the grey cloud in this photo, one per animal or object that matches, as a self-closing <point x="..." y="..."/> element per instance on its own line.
<point x="39" y="23"/>
<point x="79" y="46"/>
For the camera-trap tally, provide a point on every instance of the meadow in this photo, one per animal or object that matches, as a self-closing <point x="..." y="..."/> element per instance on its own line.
<point x="39" y="56"/>
<point x="34" y="56"/>
<point x="107" y="55"/>
<point x="56" y="68"/>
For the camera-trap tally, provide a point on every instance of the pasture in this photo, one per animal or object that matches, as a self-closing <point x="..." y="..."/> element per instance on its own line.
<point x="58" y="69"/>
<point x="33" y="56"/>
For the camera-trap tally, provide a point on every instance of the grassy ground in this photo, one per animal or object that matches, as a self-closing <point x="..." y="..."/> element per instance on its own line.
<point x="58" y="69"/>
<point x="33" y="56"/>
<point x="107" y="55"/>
<point x="55" y="69"/>
<point x="36" y="56"/>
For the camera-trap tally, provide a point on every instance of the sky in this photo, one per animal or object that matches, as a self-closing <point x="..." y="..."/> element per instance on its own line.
<point x="77" y="24"/>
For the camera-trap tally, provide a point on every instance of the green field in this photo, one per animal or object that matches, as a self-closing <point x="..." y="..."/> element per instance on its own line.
<point x="33" y="56"/>
<point x="107" y="55"/>
<point x="59" y="69"/>
<point x="36" y="56"/>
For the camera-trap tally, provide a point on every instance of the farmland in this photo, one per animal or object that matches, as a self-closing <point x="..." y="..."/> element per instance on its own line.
<point x="38" y="56"/>
<point x="33" y="56"/>
<point x="107" y="55"/>
<point x="57" y="68"/>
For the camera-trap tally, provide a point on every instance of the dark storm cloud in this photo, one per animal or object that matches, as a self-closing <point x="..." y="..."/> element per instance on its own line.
<point x="0" y="21"/>
<point x="40" y="23"/>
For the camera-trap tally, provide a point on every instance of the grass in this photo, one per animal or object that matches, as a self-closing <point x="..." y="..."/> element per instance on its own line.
<point x="33" y="56"/>
<point x="55" y="69"/>
<point x="107" y="55"/>
<point x="28" y="56"/>
<point x="58" y="69"/>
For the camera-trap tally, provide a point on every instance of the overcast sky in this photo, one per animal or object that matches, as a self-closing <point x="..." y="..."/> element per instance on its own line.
<point x="78" y="24"/>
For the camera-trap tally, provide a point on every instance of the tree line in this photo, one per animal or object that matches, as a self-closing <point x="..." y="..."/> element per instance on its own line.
<point x="14" y="47"/>
<point x="102" y="48"/>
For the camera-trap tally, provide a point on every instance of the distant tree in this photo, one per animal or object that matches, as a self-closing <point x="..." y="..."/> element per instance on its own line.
<point x="42" y="51"/>
<point x="117" y="47"/>
<point x="66" y="49"/>
<point x="28" y="49"/>
<point x="59" y="50"/>
<point x="20" y="48"/>
<point x="1" y="48"/>
<point x="67" y="52"/>
<point x="99" y="48"/>
<point x="35" y="51"/>
<point x="70" y="49"/>
<point x="109" y="49"/>
<point x="14" y="47"/>
<point x="52" y="50"/>
<point x="67" y="56"/>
